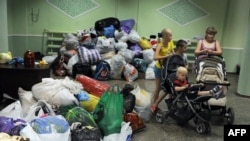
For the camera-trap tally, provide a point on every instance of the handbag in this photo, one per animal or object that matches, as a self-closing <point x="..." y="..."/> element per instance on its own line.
<point x="82" y="68"/>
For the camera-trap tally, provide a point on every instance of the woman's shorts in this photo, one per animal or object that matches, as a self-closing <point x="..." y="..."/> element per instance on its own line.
<point x="157" y="72"/>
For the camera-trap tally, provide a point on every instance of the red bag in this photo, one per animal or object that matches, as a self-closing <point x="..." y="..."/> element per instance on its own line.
<point x="91" y="85"/>
<point x="136" y="122"/>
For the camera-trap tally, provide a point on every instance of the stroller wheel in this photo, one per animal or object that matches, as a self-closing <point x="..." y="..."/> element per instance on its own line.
<point x="195" y="119"/>
<point x="230" y="116"/>
<point x="208" y="128"/>
<point x="203" y="127"/>
<point x="160" y="116"/>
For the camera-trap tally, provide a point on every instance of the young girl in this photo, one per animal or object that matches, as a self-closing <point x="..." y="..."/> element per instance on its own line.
<point x="163" y="50"/>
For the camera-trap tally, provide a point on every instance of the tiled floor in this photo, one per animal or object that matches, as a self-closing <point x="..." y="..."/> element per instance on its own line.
<point x="171" y="131"/>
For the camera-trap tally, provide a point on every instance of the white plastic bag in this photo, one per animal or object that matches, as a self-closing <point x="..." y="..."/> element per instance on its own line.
<point x="28" y="132"/>
<point x="143" y="97"/>
<point x="13" y="110"/>
<point x="117" y="65"/>
<point x="39" y="109"/>
<point x="26" y="98"/>
<point x="144" y="113"/>
<point x="148" y="55"/>
<point x="126" y="132"/>
<point x="134" y="36"/>
<point x="124" y="135"/>
<point x="127" y="54"/>
<point x="72" y="60"/>
<point x="130" y="73"/>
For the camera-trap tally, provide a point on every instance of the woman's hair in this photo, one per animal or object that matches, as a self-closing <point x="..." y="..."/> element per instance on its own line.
<point x="182" y="70"/>
<point x="211" y="30"/>
<point x="180" y="43"/>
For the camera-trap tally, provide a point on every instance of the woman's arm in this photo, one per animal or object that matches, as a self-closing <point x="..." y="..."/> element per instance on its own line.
<point x="218" y="50"/>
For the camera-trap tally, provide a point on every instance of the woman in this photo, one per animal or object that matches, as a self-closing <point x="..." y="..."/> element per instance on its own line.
<point x="208" y="46"/>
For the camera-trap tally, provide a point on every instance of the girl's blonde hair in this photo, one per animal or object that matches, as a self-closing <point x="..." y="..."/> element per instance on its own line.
<point x="166" y="31"/>
<point x="182" y="70"/>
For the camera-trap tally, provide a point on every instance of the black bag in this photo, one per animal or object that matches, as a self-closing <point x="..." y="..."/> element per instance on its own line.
<point x="84" y="133"/>
<point x="82" y="68"/>
<point x="128" y="98"/>
<point x="129" y="102"/>
<point x="106" y="22"/>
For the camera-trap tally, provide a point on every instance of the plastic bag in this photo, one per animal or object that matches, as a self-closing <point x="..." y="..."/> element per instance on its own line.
<point x="117" y="65"/>
<point x="54" y="135"/>
<point x="148" y="55"/>
<point x="39" y="109"/>
<point x="26" y="99"/>
<point x="130" y="73"/>
<point x="84" y="133"/>
<point x="139" y="64"/>
<point x="134" y="37"/>
<point x="145" y="43"/>
<point x="13" y="110"/>
<point x="108" y="113"/>
<point x="11" y="126"/>
<point x="143" y="98"/>
<point x="91" y="103"/>
<point x="127" y="54"/>
<point x="5" y="57"/>
<point x="69" y="66"/>
<point x="135" y="121"/>
<point x="78" y="114"/>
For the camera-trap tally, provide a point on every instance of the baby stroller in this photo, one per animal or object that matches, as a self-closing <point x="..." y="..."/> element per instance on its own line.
<point x="211" y="70"/>
<point x="182" y="106"/>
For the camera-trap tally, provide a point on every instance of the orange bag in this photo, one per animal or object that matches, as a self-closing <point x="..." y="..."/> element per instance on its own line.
<point x="91" y="85"/>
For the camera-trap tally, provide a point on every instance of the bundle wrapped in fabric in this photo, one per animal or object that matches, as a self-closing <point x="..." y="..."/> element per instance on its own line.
<point x="92" y="85"/>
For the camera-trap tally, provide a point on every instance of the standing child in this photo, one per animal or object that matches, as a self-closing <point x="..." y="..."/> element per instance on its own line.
<point x="164" y="49"/>
<point x="180" y="49"/>
<point x="181" y="46"/>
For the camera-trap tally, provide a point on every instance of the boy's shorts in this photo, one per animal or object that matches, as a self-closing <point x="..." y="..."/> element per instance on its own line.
<point x="157" y="72"/>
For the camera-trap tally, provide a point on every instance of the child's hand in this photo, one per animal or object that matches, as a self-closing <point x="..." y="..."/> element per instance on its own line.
<point x="186" y="86"/>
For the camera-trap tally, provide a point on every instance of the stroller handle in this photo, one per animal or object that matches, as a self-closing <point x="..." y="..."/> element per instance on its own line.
<point x="224" y="83"/>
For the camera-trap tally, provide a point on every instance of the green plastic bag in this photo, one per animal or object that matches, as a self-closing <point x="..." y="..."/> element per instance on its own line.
<point x="78" y="114"/>
<point x="108" y="113"/>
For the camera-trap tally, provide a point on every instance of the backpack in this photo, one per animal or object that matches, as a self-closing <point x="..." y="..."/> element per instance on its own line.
<point x="102" y="71"/>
